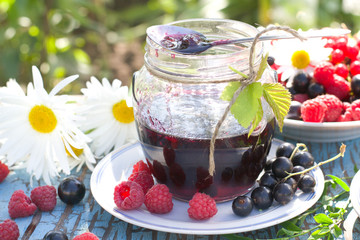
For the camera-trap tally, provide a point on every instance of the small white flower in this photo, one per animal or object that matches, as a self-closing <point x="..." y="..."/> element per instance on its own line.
<point x="293" y="55"/>
<point x="38" y="128"/>
<point x="109" y="118"/>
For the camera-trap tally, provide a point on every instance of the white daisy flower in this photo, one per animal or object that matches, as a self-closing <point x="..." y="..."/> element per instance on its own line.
<point x="38" y="128"/>
<point x="109" y="118"/>
<point x="293" y="55"/>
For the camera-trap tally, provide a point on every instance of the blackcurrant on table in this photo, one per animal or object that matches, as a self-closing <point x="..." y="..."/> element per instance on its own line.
<point x="89" y="216"/>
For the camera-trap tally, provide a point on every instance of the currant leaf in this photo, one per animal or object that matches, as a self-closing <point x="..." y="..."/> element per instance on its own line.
<point x="262" y="67"/>
<point x="257" y="118"/>
<point x="246" y="106"/>
<point x="229" y="91"/>
<point x="279" y="100"/>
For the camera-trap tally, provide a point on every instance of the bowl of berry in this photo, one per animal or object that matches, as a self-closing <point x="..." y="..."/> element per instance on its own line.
<point x="324" y="81"/>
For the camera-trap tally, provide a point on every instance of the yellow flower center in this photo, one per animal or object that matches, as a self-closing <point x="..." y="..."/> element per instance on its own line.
<point x="122" y="112"/>
<point x="77" y="151"/>
<point x="42" y="119"/>
<point x="300" y="59"/>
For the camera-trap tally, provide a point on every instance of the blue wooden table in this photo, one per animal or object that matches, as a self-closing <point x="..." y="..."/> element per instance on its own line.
<point x="89" y="216"/>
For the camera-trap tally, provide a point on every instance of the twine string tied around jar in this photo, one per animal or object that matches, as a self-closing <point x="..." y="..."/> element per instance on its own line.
<point x="244" y="83"/>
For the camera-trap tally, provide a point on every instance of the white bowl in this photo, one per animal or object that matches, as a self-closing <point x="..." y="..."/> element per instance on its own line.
<point x="320" y="132"/>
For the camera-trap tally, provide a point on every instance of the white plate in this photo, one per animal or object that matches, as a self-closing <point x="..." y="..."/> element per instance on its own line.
<point x="117" y="166"/>
<point x="321" y="132"/>
<point x="355" y="193"/>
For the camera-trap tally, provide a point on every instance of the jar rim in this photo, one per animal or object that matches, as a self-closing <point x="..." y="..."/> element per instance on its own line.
<point x="162" y="61"/>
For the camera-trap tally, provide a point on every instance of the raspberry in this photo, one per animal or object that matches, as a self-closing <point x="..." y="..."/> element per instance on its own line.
<point x="313" y="110"/>
<point x="334" y="107"/>
<point x="341" y="44"/>
<point x="342" y="70"/>
<point x="158" y="199"/>
<point x="355" y="110"/>
<point x="345" y="117"/>
<point x="339" y="87"/>
<point x="352" y="52"/>
<point x="4" y="171"/>
<point x="355" y="68"/>
<point x="9" y="230"/>
<point x="44" y="197"/>
<point x="202" y="206"/>
<point x="324" y="73"/>
<point x="86" y="236"/>
<point x="300" y="97"/>
<point x="128" y="195"/>
<point x="143" y="178"/>
<point x="141" y="166"/>
<point x="20" y="205"/>
<point x="337" y="56"/>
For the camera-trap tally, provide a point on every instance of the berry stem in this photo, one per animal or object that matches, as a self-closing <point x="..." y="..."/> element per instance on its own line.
<point x="298" y="146"/>
<point x="340" y="154"/>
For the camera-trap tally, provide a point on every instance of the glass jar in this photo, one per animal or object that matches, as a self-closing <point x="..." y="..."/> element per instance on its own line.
<point x="177" y="105"/>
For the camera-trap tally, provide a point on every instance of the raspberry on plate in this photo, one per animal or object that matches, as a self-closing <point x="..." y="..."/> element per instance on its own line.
<point x="143" y="178"/>
<point x="324" y="73"/>
<point x="338" y="87"/>
<point x="158" y="199"/>
<point x="86" y="236"/>
<point x="141" y="166"/>
<point x="334" y="107"/>
<point x="202" y="207"/>
<point x="9" y="230"/>
<point x="20" y="205"/>
<point x="313" y="110"/>
<point x="44" y="197"/>
<point x="4" y="171"/>
<point x="128" y="195"/>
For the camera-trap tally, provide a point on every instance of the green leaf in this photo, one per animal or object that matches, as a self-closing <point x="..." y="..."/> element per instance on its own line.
<point x="262" y="67"/>
<point x="291" y="226"/>
<point x="258" y="116"/>
<point x="229" y="91"/>
<point x="238" y="72"/>
<point x="340" y="182"/>
<point x="235" y="237"/>
<point x="247" y="104"/>
<point x="337" y="231"/>
<point x="324" y="231"/>
<point x="323" y="219"/>
<point x="279" y="100"/>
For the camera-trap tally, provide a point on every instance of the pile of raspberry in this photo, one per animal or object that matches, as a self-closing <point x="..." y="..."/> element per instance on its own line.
<point x="140" y="189"/>
<point x="331" y="92"/>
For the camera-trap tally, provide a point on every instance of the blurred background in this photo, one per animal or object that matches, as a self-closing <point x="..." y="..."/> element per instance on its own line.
<point x="105" y="38"/>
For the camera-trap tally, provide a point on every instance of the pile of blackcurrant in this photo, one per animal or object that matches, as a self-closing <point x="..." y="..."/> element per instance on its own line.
<point x="275" y="183"/>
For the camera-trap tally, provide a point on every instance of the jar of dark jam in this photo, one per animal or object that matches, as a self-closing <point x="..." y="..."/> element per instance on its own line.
<point x="177" y="105"/>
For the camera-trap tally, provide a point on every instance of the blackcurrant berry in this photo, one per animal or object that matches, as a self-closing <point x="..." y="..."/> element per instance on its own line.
<point x="268" y="164"/>
<point x="242" y="206"/>
<point x="270" y="60"/>
<point x="268" y="180"/>
<point x="292" y="182"/>
<point x="303" y="158"/>
<point x="355" y="84"/>
<point x="307" y="183"/>
<point x="301" y="82"/>
<point x="283" y="193"/>
<point x="262" y="197"/>
<point x="55" y="235"/>
<point x="294" y="111"/>
<point x="297" y="169"/>
<point x="315" y="89"/>
<point x="71" y="190"/>
<point x="281" y="167"/>
<point x="285" y="150"/>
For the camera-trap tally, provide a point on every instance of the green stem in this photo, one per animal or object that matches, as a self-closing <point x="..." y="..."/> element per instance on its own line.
<point x="340" y="154"/>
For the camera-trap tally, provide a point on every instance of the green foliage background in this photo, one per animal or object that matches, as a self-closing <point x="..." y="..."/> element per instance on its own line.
<point x="105" y="38"/>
